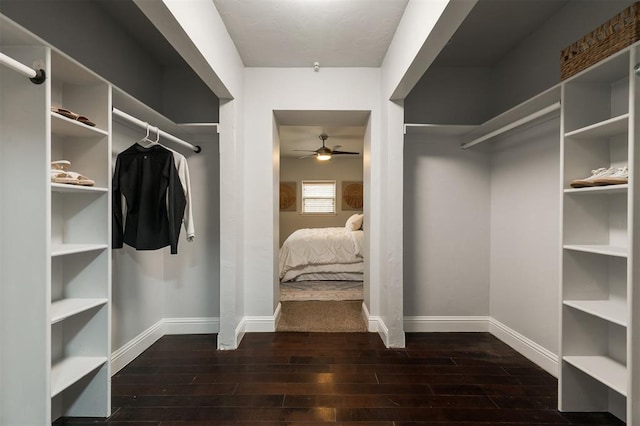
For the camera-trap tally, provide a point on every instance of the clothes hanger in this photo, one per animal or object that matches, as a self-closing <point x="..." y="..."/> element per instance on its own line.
<point x="146" y="142"/>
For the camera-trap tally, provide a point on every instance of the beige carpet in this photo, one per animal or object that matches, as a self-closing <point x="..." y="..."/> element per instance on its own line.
<point x="322" y="316"/>
<point x="321" y="290"/>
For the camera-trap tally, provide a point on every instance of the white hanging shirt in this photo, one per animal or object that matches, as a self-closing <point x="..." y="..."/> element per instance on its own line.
<point x="183" y="173"/>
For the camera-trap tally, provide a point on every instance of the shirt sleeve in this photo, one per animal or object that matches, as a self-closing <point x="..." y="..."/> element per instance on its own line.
<point x="183" y="174"/>
<point x="117" y="234"/>
<point x="176" y="205"/>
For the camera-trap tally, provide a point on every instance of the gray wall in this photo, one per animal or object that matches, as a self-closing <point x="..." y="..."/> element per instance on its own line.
<point x="525" y="233"/>
<point x="471" y="95"/>
<point x="89" y="34"/>
<point x="297" y="170"/>
<point x="446" y="229"/>
<point x="534" y="65"/>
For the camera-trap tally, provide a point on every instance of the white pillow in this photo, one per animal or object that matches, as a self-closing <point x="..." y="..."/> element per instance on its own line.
<point x="354" y="222"/>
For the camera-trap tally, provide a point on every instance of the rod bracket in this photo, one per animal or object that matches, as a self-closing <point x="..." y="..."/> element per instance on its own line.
<point x="40" y="77"/>
<point x="198" y="150"/>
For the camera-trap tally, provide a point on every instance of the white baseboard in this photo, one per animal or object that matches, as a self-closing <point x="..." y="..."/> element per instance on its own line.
<point x="191" y="325"/>
<point x="541" y="356"/>
<point x="262" y="324"/>
<point x="430" y="324"/>
<point x="132" y="349"/>
<point x="375" y="324"/>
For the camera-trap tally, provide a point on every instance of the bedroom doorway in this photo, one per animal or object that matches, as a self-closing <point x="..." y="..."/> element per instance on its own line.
<point x="321" y="219"/>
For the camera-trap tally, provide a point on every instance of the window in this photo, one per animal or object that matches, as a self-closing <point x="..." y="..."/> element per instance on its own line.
<point x="318" y="197"/>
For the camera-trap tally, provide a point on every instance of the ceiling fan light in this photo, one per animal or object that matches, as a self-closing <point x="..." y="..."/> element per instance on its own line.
<point x="323" y="157"/>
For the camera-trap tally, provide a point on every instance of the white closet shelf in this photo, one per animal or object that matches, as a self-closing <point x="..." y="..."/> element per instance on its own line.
<point x="437" y="129"/>
<point x="61" y="125"/>
<point x="613" y="310"/>
<point x="537" y="107"/>
<point x="65" y="308"/>
<point x="599" y="249"/>
<point x="64" y="249"/>
<point x="68" y="371"/>
<point x="604" y="369"/>
<point x="607" y="189"/>
<point x="63" y="187"/>
<point x="607" y="128"/>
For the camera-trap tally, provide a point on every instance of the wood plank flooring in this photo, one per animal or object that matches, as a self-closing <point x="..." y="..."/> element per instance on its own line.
<point x="460" y="379"/>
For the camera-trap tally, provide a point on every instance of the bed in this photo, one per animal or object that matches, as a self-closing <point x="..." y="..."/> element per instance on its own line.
<point x="322" y="254"/>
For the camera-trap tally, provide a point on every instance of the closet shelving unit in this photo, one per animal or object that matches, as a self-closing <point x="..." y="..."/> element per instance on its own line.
<point x="597" y="348"/>
<point x="55" y="260"/>
<point x="599" y="113"/>
<point x="532" y="111"/>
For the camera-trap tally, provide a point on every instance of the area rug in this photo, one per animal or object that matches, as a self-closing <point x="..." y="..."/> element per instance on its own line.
<point x="322" y="316"/>
<point x="321" y="290"/>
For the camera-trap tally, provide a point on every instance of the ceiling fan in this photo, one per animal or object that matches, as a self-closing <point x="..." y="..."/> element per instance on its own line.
<point x="324" y="153"/>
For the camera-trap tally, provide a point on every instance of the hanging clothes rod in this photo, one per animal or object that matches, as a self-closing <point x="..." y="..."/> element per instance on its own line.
<point x="36" y="76"/>
<point x="162" y="133"/>
<point x="513" y="125"/>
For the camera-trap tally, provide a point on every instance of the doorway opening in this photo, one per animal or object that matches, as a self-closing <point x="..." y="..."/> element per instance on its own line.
<point x="322" y="221"/>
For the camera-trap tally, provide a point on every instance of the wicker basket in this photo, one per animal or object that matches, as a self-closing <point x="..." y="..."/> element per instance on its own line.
<point x="617" y="33"/>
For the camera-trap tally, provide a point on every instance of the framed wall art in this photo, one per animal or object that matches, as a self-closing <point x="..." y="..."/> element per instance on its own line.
<point x="288" y="199"/>
<point x="352" y="195"/>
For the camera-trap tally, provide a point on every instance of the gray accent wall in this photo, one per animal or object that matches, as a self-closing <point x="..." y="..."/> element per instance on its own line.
<point x="96" y="34"/>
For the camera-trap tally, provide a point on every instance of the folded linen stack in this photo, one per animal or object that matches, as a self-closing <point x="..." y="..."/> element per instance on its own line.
<point x="603" y="176"/>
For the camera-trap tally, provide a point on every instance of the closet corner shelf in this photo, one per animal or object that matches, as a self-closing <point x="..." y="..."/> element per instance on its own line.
<point x="608" y="189"/>
<point x="61" y="125"/>
<point x="598" y="249"/>
<point x="63" y="187"/>
<point x="612" y="310"/>
<point x="64" y="249"/>
<point x="607" y="128"/>
<point x="604" y="369"/>
<point x="68" y="371"/>
<point x="65" y="308"/>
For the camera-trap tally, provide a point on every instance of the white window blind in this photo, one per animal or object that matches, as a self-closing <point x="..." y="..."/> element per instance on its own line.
<point x="318" y="196"/>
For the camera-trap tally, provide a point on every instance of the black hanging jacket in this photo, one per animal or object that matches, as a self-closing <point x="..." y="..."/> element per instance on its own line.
<point x="154" y="199"/>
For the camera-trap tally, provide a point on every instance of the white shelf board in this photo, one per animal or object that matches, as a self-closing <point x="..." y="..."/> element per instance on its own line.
<point x="599" y="249"/>
<point x="64" y="249"/>
<point x="602" y="368"/>
<point x="607" y="128"/>
<point x="437" y="129"/>
<point x="65" y="308"/>
<point x="132" y="106"/>
<point x="61" y="125"/>
<point x="197" y="128"/>
<point x="68" y="371"/>
<point x="606" y="189"/>
<point x="613" y="310"/>
<point x="527" y="108"/>
<point x="65" y="187"/>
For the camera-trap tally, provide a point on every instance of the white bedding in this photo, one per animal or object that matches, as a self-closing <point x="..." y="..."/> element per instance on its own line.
<point x="328" y="272"/>
<point x="319" y="247"/>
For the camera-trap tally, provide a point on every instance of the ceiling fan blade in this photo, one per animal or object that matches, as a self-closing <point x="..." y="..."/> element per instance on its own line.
<point x="305" y="150"/>
<point x="307" y="156"/>
<point x="344" y="152"/>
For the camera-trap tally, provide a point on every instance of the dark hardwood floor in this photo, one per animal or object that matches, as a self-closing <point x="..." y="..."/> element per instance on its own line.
<point x="460" y="379"/>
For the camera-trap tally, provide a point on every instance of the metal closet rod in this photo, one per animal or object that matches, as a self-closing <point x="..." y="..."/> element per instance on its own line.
<point x="36" y="76"/>
<point x="145" y="125"/>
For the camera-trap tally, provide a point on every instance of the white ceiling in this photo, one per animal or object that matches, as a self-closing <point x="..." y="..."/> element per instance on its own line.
<point x="297" y="33"/>
<point x="357" y="33"/>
